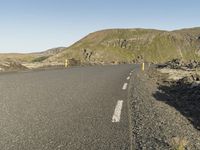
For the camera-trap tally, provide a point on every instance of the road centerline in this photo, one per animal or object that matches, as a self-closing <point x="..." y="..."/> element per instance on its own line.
<point x="117" y="111"/>
<point x="128" y="78"/>
<point x="125" y="86"/>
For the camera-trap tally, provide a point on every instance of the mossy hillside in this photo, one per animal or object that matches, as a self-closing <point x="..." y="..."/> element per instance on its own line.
<point x="125" y="45"/>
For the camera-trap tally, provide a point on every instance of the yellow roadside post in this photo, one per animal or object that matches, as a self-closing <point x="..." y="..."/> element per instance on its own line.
<point x="66" y="63"/>
<point x="142" y="66"/>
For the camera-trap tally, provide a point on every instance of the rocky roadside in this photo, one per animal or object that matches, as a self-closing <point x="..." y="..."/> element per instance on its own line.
<point x="181" y="64"/>
<point x="160" y="119"/>
<point x="10" y="66"/>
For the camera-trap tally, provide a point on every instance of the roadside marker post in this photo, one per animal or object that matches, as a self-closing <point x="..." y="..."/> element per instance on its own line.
<point x="142" y="66"/>
<point x="66" y="63"/>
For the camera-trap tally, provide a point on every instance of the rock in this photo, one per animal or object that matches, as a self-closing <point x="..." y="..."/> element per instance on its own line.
<point x="197" y="52"/>
<point x="195" y="84"/>
<point x="114" y="62"/>
<point x="175" y="64"/>
<point x="1" y="69"/>
<point x="193" y="64"/>
<point x="139" y="59"/>
<point x="87" y="54"/>
<point x="194" y="78"/>
<point x="180" y="64"/>
<point x="11" y="66"/>
<point x="124" y="43"/>
<point x="186" y="80"/>
<point x="16" y="65"/>
<point x="74" y="62"/>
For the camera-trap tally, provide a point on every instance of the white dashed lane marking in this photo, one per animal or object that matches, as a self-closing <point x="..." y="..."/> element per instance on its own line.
<point x="117" y="112"/>
<point x="118" y="108"/>
<point x="125" y="86"/>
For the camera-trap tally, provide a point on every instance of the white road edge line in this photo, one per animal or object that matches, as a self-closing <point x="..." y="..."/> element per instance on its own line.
<point x="125" y="86"/>
<point x="117" y="112"/>
<point x="128" y="78"/>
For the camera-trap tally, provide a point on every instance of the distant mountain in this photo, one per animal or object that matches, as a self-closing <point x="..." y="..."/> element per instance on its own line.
<point x="134" y="45"/>
<point x="30" y="57"/>
<point x="52" y="51"/>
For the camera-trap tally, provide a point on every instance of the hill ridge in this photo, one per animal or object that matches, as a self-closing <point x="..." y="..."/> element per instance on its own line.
<point x="133" y="44"/>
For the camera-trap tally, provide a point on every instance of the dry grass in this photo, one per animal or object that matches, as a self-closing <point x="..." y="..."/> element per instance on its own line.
<point x="179" y="143"/>
<point x="17" y="57"/>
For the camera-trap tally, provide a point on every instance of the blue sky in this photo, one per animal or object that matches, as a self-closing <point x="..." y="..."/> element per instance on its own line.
<point x="36" y="25"/>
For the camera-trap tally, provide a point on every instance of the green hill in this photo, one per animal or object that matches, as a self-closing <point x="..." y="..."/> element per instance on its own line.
<point x="134" y="45"/>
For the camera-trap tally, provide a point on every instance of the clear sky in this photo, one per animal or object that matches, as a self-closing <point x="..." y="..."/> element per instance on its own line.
<point x="36" y="25"/>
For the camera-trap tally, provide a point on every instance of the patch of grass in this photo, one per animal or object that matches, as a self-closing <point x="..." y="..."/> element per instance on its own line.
<point x="179" y="143"/>
<point x="40" y="59"/>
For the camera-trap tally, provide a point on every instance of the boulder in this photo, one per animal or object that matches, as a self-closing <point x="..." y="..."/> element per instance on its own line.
<point x="175" y="64"/>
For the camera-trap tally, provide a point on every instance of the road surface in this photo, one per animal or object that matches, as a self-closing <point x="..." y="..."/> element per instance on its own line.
<point x="79" y="108"/>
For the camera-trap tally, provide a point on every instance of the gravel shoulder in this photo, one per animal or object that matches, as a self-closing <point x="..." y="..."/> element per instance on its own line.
<point x="155" y="123"/>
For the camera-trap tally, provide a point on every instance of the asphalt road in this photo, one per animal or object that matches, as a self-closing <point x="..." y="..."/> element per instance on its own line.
<point x="68" y="109"/>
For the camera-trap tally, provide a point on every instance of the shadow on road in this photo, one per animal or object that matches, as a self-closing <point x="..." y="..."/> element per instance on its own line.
<point x="182" y="97"/>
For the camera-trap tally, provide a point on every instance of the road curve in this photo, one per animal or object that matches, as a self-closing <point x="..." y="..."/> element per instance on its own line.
<point x="65" y="109"/>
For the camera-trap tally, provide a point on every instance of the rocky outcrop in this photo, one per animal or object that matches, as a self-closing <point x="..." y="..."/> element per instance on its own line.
<point x="74" y="62"/>
<point x="87" y="54"/>
<point x="180" y="64"/>
<point x="11" y="66"/>
<point x="128" y="43"/>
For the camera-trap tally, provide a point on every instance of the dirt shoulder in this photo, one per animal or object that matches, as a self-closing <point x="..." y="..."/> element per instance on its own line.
<point x="157" y="114"/>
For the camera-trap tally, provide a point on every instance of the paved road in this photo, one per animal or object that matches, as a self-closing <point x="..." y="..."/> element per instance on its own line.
<point x="65" y="109"/>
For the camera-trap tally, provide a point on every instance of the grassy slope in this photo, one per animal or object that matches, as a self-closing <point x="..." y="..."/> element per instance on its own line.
<point x="30" y="57"/>
<point x="125" y="45"/>
<point x="154" y="45"/>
